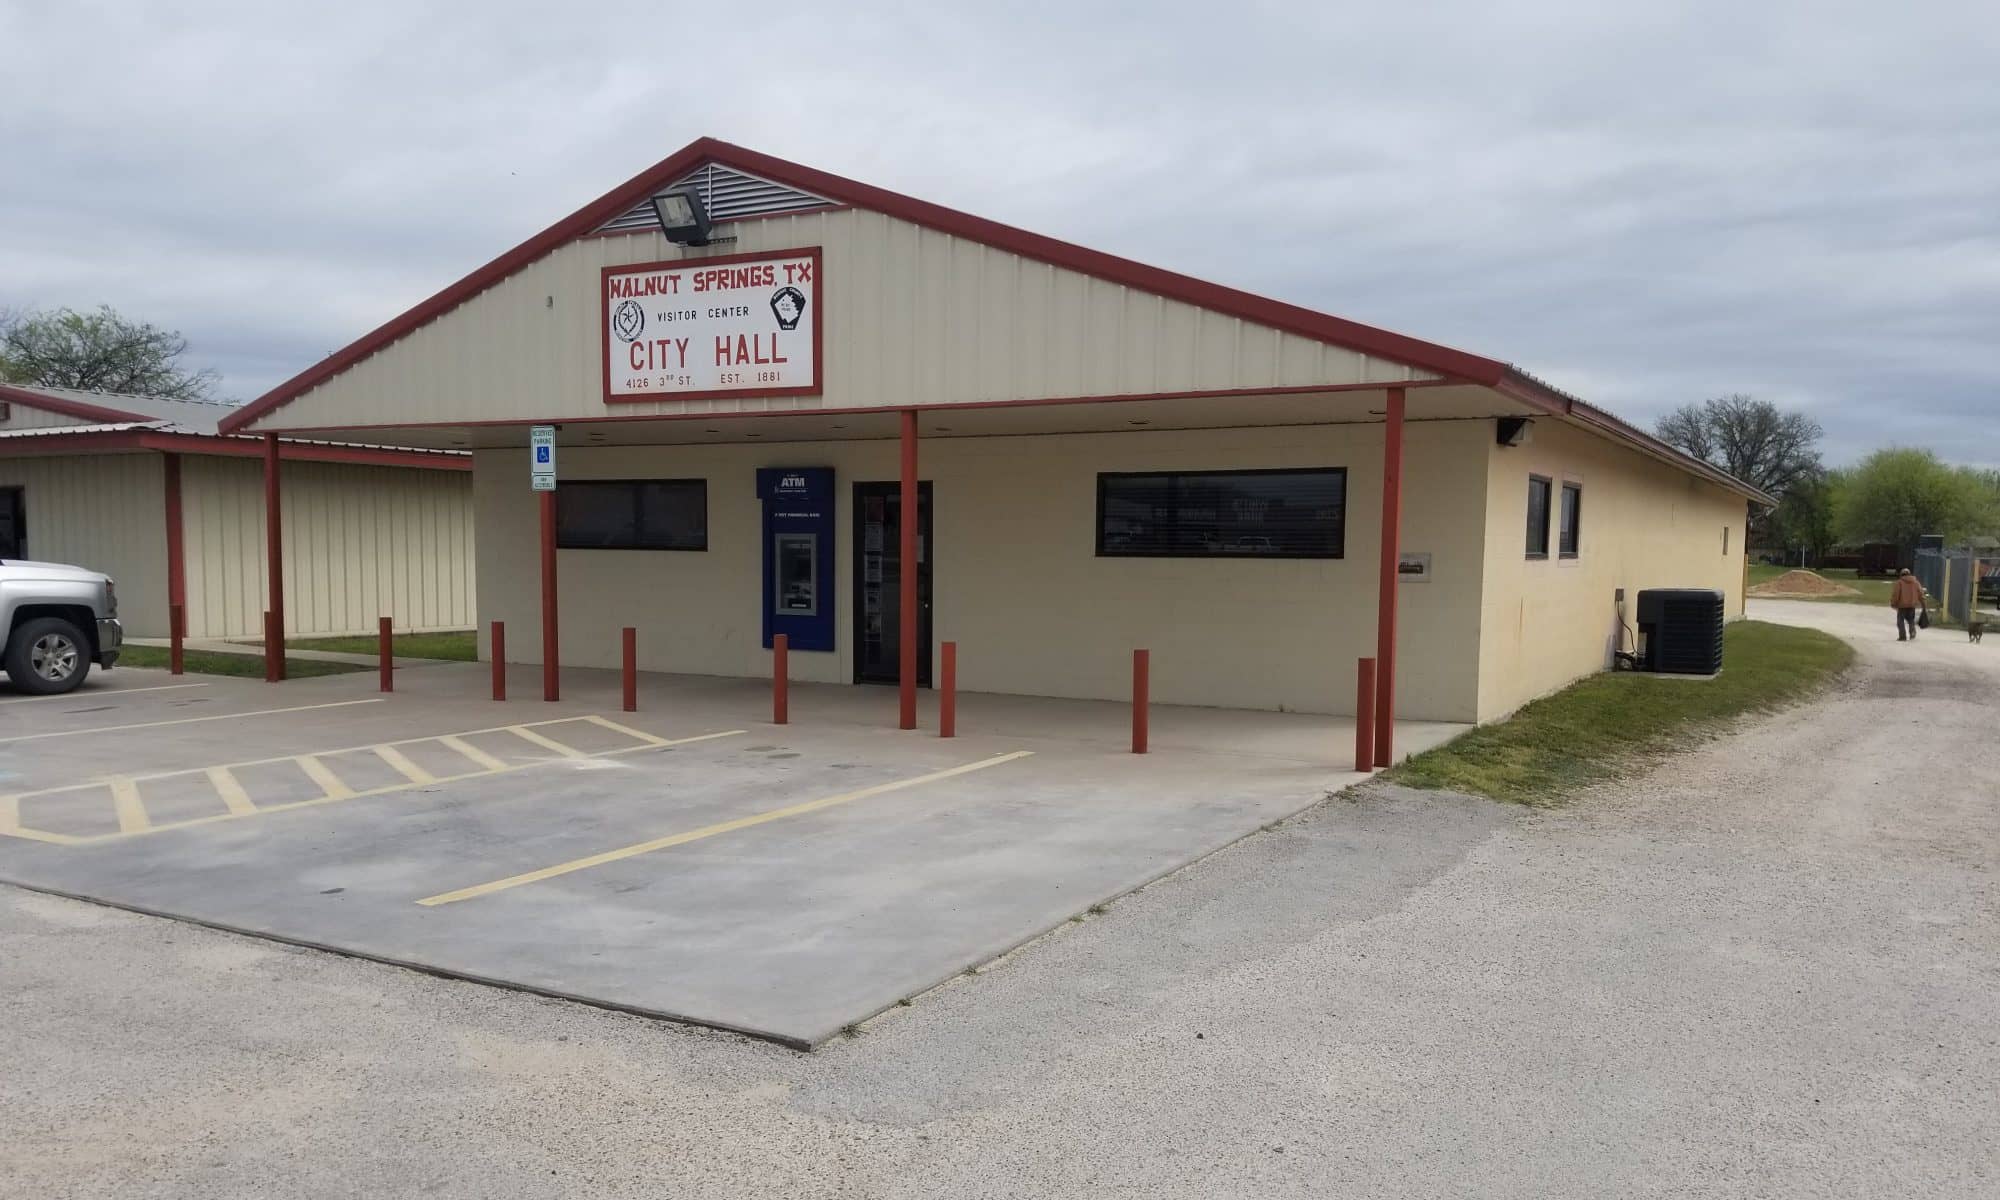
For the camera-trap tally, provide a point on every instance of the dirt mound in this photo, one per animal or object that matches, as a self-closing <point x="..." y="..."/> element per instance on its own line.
<point x="1802" y="583"/>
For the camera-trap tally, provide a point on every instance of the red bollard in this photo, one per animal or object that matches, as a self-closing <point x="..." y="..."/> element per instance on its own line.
<point x="781" y="653"/>
<point x="631" y="669"/>
<point x="385" y="646"/>
<point x="1364" y="716"/>
<point x="499" y="643"/>
<point x="948" y="690"/>
<point x="176" y="634"/>
<point x="1142" y="670"/>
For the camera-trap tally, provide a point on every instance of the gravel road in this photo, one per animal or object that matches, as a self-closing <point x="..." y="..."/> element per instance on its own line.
<point x="1771" y="968"/>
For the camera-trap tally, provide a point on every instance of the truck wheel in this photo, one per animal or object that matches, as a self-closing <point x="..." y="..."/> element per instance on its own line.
<point x="47" y="655"/>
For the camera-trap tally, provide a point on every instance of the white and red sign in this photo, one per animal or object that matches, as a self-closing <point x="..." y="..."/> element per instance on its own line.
<point x="739" y="323"/>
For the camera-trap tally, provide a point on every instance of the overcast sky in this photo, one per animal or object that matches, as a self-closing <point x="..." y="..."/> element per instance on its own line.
<point x="1645" y="204"/>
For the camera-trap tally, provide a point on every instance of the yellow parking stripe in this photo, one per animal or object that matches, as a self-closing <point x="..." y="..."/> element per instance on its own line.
<point x="101" y="694"/>
<point x="472" y="752"/>
<point x="628" y="731"/>
<point x="709" y="831"/>
<point x="65" y="839"/>
<point x="125" y="802"/>
<point x="321" y="774"/>
<point x="262" y="712"/>
<point x="397" y="759"/>
<point x="523" y="731"/>
<point x="233" y="796"/>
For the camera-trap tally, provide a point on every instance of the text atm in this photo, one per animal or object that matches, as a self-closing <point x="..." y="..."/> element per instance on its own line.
<point x="798" y="555"/>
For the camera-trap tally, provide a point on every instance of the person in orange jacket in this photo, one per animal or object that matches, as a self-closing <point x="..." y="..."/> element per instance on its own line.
<point x="1906" y="596"/>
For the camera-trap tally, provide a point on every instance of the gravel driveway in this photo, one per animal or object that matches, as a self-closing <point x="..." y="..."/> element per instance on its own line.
<point x="1772" y="968"/>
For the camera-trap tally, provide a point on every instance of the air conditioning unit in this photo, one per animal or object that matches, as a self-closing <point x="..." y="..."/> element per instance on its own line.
<point x="1680" y="631"/>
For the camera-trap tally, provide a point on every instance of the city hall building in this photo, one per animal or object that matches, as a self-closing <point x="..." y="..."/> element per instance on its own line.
<point x="785" y="402"/>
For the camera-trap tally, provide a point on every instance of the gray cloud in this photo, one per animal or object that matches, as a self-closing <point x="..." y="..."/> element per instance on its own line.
<point x="1645" y="204"/>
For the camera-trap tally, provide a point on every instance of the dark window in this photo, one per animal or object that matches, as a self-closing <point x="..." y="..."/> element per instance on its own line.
<point x="1572" y="518"/>
<point x="633" y="514"/>
<point x="1223" y="514"/>
<point x="13" y="525"/>
<point x="1538" y="517"/>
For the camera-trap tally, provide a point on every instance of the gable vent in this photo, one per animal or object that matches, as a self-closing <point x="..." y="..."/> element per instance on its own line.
<point x="727" y="195"/>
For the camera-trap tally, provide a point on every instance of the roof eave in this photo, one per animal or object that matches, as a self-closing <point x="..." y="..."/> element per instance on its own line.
<point x="1292" y="318"/>
<point x="1519" y="385"/>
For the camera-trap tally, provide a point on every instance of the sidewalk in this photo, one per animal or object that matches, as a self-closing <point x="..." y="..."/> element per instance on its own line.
<point x="256" y="650"/>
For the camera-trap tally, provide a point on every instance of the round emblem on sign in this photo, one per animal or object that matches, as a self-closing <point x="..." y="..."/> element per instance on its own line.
<point x="788" y="304"/>
<point x="628" y="321"/>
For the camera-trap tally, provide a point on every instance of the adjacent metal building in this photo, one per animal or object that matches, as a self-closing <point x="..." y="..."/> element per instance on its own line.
<point x="146" y="490"/>
<point x="757" y="368"/>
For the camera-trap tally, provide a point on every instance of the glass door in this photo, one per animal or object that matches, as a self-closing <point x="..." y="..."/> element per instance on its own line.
<point x="878" y="579"/>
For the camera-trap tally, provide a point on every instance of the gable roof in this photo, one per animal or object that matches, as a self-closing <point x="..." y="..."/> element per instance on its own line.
<point x="847" y="192"/>
<point x="183" y="416"/>
<point x="190" y="426"/>
<point x="609" y="213"/>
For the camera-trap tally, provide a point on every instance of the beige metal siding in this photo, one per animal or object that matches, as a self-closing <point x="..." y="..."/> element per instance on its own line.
<point x="1644" y="524"/>
<point x="1018" y="583"/>
<point x="22" y="416"/>
<point x="912" y="317"/>
<point x="106" y="512"/>
<point x="361" y="542"/>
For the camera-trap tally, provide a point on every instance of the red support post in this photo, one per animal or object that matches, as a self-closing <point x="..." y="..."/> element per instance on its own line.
<point x="1142" y="672"/>
<point x="948" y="690"/>
<point x="907" y="617"/>
<point x="176" y="636"/>
<point x="1385" y="609"/>
<point x="176" y="565"/>
<point x="499" y="644"/>
<point x="1364" y="716"/>
<point x="274" y="549"/>
<point x="551" y="655"/>
<point x="385" y="649"/>
<point x="274" y="651"/>
<point x="631" y="660"/>
<point x="781" y="671"/>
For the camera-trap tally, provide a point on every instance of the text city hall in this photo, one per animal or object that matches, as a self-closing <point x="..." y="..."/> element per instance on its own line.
<point x="739" y="350"/>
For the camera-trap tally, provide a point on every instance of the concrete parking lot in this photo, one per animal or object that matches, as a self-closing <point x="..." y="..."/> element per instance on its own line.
<point x="691" y="860"/>
<point x="1770" y="967"/>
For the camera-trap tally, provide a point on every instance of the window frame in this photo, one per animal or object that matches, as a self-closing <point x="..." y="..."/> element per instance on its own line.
<point x="16" y="499"/>
<point x="1548" y="501"/>
<point x="1564" y="530"/>
<point x="1103" y="477"/>
<point x="635" y="485"/>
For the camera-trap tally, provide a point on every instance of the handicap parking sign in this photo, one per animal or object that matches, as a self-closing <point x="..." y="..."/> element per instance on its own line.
<point x="542" y="461"/>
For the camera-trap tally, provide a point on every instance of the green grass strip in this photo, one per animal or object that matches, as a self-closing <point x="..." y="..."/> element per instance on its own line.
<point x="459" y="646"/>
<point x="1612" y="724"/>
<point x="245" y="666"/>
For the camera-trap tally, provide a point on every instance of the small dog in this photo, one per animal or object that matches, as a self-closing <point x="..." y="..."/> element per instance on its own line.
<point x="1975" y="629"/>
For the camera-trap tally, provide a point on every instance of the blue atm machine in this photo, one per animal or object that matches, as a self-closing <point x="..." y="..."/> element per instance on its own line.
<point x="798" y="555"/>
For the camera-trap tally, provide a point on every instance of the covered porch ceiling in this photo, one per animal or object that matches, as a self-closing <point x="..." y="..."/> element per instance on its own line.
<point x="1449" y="402"/>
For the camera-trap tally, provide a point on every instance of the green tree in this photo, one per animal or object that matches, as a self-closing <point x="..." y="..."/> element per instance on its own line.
<point x="1755" y="440"/>
<point x="1899" y="494"/>
<point x="1804" y="519"/>
<point x="98" y="352"/>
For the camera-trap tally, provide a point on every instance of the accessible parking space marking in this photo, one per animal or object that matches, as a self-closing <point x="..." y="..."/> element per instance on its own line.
<point x="709" y="831"/>
<point x="121" y="799"/>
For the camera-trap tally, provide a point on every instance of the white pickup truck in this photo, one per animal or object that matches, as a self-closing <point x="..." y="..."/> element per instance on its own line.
<point x="58" y="620"/>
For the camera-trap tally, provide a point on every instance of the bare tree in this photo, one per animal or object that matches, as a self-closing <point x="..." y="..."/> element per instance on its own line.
<point x="98" y="352"/>
<point x="1754" y="440"/>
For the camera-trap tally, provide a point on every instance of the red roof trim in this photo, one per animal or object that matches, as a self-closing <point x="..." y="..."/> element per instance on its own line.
<point x="1330" y="389"/>
<point x="1248" y="306"/>
<point x="1529" y="390"/>
<point x="121" y="441"/>
<point x="68" y="408"/>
